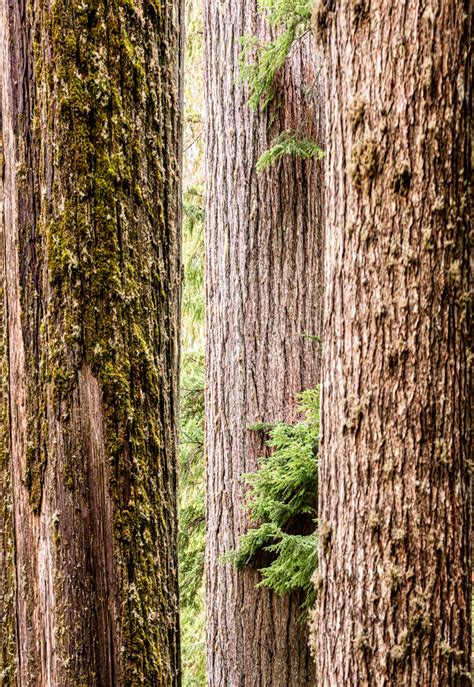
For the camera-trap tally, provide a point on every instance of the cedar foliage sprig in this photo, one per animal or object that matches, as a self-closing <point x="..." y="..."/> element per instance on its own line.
<point x="259" y="63"/>
<point x="289" y="143"/>
<point x="282" y="493"/>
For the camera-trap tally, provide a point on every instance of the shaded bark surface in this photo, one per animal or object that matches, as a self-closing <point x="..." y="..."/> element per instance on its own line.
<point x="263" y="291"/>
<point x="395" y="571"/>
<point x="91" y="133"/>
<point x="7" y="586"/>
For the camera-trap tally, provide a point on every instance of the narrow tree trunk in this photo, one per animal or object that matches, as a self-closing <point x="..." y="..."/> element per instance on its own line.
<point x="263" y="262"/>
<point x="394" y="579"/>
<point x="7" y="586"/>
<point x="91" y="137"/>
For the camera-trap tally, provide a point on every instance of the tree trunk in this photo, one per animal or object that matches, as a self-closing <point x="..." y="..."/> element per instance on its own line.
<point x="263" y="271"/>
<point x="394" y="578"/>
<point x="91" y="133"/>
<point x="7" y="586"/>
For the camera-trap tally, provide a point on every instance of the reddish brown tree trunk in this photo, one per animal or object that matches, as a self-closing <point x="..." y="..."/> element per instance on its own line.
<point x="394" y="580"/>
<point x="7" y="586"/>
<point x="263" y="262"/>
<point x="91" y="133"/>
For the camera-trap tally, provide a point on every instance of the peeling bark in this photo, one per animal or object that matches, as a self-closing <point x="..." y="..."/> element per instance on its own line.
<point x="91" y="130"/>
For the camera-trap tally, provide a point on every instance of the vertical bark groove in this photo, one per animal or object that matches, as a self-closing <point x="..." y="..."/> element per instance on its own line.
<point x="91" y="103"/>
<point x="394" y="579"/>
<point x="7" y="553"/>
<point x="263" y="272"/>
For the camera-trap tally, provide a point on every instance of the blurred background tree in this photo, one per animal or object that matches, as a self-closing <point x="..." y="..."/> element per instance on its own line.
<point x="191" y="490"/>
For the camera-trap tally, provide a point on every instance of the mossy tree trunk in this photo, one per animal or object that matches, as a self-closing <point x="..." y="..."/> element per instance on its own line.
<point x="91" y="133"/>
<point x="263" y="271"/>
<point x="7" y="586"/>
<point x="394" y="579"/>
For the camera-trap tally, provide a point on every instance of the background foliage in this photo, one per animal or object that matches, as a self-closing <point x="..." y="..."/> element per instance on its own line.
<point x="192" y="519"/>
<point x="283" y="490"/>
<point x="191" y="488"/>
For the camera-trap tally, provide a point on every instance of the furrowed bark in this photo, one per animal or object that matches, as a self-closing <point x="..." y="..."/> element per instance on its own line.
<point x="263" y="271"/>
<point x="91" y="133"/>
<point x="7" y="578"/>
<point x="395" y="572"/>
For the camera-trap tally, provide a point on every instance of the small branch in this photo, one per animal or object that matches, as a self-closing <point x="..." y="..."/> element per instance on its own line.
<point x="193" y="142"/>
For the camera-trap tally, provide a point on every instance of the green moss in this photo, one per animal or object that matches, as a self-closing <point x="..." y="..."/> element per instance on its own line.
<point x="103" y="247"/>
<point x="55" y="529"/>
<point x="402" y="180"/>
<point x="393" y="578"/>
<point x="419" y="623"/>
<point x="362" y="643"/>
<point x="360" y="10"/>
<point x="374" y="522"/>
<point x="356" y="112"/>
<point x="364" y="163"/>
<point x="399" y="651"/>
<point x="318" y="581"/>
<point x="325" y="536"/>
<point x="7" y="556"/>
<point x="448" y="651"/>
<point x="321" y="13"/>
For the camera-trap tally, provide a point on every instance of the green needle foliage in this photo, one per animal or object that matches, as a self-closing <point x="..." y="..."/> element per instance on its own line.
<point x="192" y="508"/>
<point x="191" y="474"/>
<point x="288" y="143"/>
<point x="193" y="252"/>
<point x="191" y="479"/>
<point x="260" y="63"/>
<point x="282" y="504"/>
<point x="191" y="493"/>
<point x="192" y="519"/>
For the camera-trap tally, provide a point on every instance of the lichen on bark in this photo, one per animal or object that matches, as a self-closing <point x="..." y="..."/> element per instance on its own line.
<point x="99" y="312"/>
<point x="397" y="386"/>
<point x="7" y="576"/>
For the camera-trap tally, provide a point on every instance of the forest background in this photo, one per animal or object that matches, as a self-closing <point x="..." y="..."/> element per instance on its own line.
<point x="288" y="442"/>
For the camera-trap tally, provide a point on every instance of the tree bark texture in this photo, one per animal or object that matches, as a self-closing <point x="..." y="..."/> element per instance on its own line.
<point x="394" y="553"/>
<point x="7" y="586"/>
<point x="91" y="134"/>
<point x="263" y="293"/>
